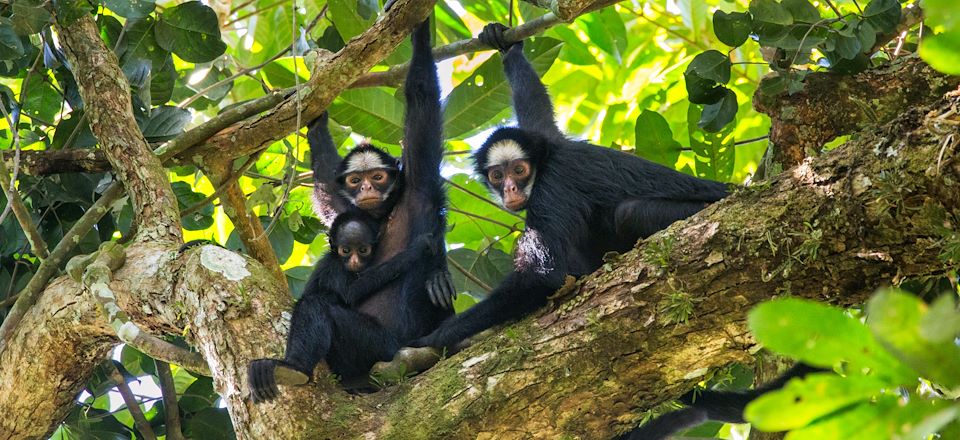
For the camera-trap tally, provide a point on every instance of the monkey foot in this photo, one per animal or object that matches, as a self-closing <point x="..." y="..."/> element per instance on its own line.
<point x="285" y="375"/>
<point x="406" y="362"/>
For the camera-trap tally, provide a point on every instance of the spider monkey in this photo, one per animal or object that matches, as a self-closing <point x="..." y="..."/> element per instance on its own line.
<point x="407" y="199"/>
<point x="325" y="322"/>
<point x="582" y="200"/>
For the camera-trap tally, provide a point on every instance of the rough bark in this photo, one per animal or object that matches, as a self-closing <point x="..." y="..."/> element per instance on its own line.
<point x="106" y="96"/>
<point x="45" y="162"/>
<point x="832" y="105"/>
<point x="587" y="365"/>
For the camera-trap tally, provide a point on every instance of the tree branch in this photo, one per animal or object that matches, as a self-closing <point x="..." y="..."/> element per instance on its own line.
<point x="170" y="405"/>
<point x="141" y="423"/>
<point x="106" y="97"/>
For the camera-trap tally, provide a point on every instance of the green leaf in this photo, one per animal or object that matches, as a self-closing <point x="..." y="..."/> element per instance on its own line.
<point x="823" y="336"/>
<point x="29" y="16"/>
<point x="371" y="112"/>
<point x="886" y="418"/>
<point x="732" y="29"/>
<point x="210" y="424"/>
<point x="942" y="51"/>
<point x="187" y="198"/>
<point x="198" y="396"/>
<point x="11" y="47"/>
<point x="714" y="152"/>
<point x="655" y="139"/>
<point x="942" y="322"/>
<point x="802" y="11"/>
<point x="69" y="11"/>
<point x="131" y="8"/>
<point x="297" y="279"/>
<point x="65" y="129"/>
<point x="165" y="123"/>
<point x="803" y="401"/>
<point x="573" y="51"/>
<point x="42" y="100"/>
<point x="343" y="14"/>
<point x="139" y="42"/>
<point x="702" y="90"/>
<point x="489" y="268"/>
<point x="486" y="92"/>
<point x="137" y="363"/>
<point x="895" y="317"/>
<point x="717" y="115"/>
<point x="607" y="31"/>
<point x="769" y="11"/>
<point x="847" y="47"/>
<point x="190" y="30"/>
<point x="712" y="65"/>
<point x="884" y="15"/>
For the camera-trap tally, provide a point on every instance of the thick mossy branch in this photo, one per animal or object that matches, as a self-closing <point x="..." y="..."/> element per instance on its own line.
<point x="832" y="105"/>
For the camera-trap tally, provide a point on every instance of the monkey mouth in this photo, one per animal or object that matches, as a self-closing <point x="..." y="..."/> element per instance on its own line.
<point x="368" y="202"/>
<point x="515" y="204"/>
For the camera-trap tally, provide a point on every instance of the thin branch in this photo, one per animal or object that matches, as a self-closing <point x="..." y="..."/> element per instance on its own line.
<point x="469" y="275"/>
<point x="395" y="74"/>
<point x="231" y="180"/>
<point x="141" y="423"/>
<point x="263" y="9"/>
<point x="170" y="404"/>
<point x="482" y="198"/>
<point x="37" y="245"/>
<point x="487" y="219"/>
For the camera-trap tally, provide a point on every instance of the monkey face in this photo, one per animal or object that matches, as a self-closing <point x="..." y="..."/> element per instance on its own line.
<point x="355" y="258"/>
<point x="369" y="189"/>
<point x="354" y="242"/>
<point x="367" y="178"/>
<point x="510" y="174"/>
<point x="512" y="180"/>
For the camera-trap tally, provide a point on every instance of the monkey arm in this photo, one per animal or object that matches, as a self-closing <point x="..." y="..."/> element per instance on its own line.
<point x="518" y="295"/>
<point x="531" y="102"/>
<point x="423" y="122"/>
<point x="324" y="160"/>
<point x="373" y="279"/>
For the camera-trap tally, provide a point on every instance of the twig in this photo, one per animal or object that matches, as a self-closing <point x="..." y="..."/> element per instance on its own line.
<point x="170" y="405"/>
<point x="143" y="426"/>
<point x="478" y="216"/>
<point x="469" y="275"/>
<point x="481" y="198"/>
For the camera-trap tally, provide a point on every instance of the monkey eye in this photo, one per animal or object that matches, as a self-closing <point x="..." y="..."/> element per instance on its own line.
<point x="378" y="177"/>
<point x="364" y="250"/>
<point x="495" y="176"/>
<point x="519" y="169"/>
<point x="344" y="251"/>
<point x="354" y="179"/>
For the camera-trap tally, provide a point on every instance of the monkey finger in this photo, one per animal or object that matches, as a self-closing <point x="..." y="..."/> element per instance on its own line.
<point x="436" y="292"/>
<point x="450" y="292"/>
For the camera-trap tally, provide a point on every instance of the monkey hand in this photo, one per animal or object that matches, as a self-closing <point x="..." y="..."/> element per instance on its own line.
<point x="492" y="36"/>
<point x="264" y="375"/>
<point x="440" y="289"/>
